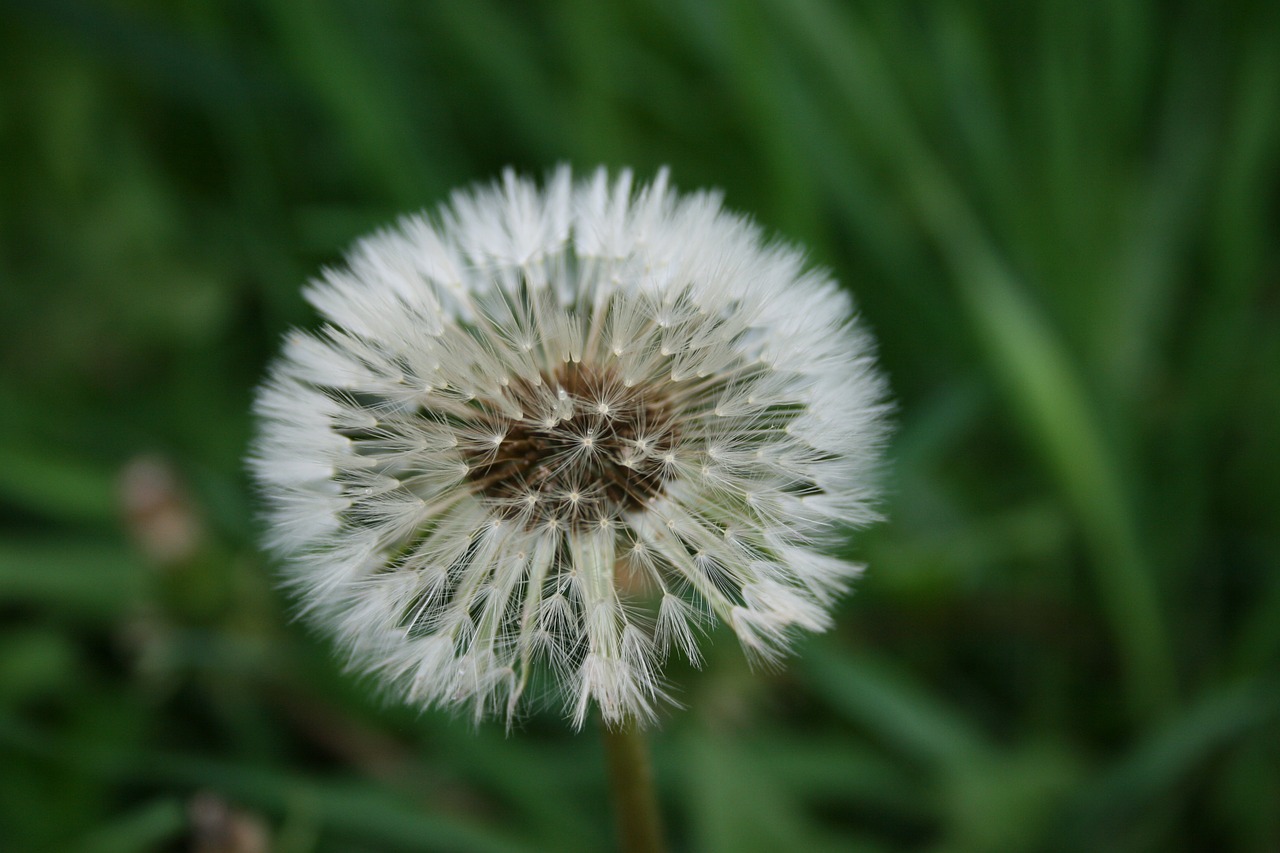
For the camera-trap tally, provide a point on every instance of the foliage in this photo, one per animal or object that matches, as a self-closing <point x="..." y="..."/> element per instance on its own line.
<point x="1060" y="219"/>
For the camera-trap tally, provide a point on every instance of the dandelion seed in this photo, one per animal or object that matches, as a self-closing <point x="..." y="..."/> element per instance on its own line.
<point x="549" y="435"/>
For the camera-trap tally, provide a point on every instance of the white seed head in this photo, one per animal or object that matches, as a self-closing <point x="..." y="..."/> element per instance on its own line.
<point x="548" y="434"/>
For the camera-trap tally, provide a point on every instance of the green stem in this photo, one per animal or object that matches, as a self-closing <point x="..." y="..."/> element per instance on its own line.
<point x="631" y="777"/>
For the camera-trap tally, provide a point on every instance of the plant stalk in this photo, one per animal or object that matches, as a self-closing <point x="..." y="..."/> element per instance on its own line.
<point x="634" y="801"/>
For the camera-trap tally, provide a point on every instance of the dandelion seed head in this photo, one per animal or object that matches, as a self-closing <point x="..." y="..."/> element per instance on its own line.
<point x="548" y="434"/>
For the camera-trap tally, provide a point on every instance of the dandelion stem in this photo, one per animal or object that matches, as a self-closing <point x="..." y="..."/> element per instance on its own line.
<point x="631" y="777"/>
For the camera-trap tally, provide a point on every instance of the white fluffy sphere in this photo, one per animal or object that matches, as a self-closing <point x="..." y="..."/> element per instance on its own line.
<point x="548" y="434"/>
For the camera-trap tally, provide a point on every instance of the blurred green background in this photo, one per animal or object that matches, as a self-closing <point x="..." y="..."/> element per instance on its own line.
<point x="1060" y="219"/>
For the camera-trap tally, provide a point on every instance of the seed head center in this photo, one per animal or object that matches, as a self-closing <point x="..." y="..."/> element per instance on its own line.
<point x="587" y="449"/>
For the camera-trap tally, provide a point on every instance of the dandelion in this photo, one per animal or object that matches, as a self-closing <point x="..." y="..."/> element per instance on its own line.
<point x="549" y="435"/>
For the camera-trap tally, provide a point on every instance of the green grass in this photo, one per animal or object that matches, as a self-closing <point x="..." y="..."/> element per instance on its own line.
<point x="1059" y="218"/>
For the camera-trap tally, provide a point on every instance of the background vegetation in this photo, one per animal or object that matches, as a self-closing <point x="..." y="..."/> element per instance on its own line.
<point x="1059" y="217"/>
